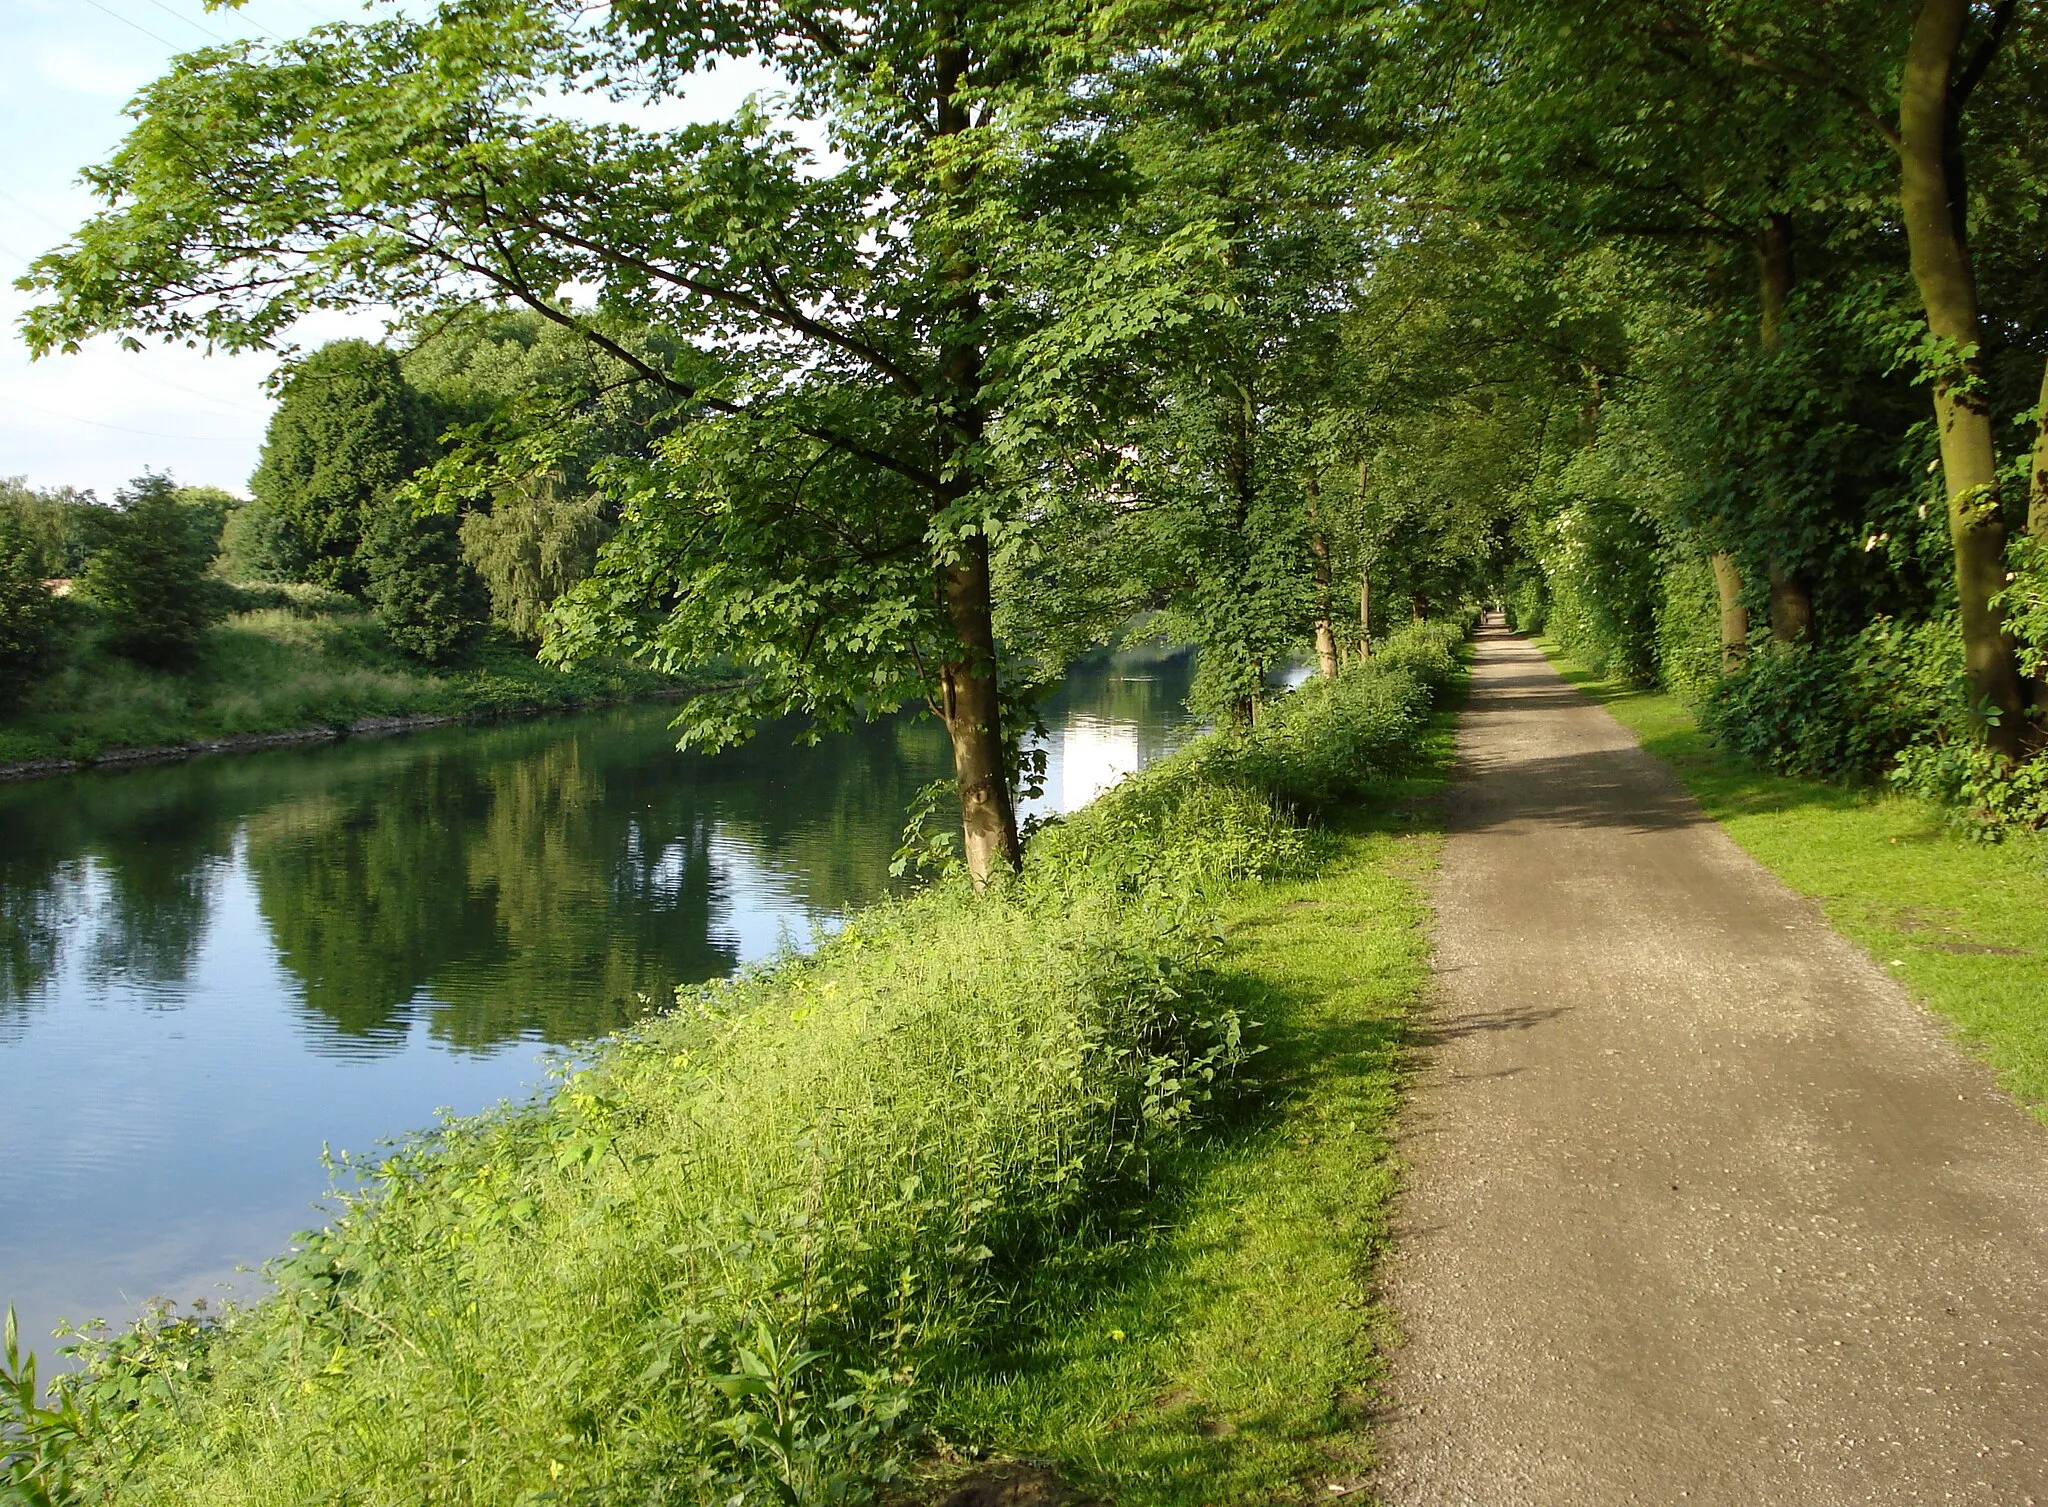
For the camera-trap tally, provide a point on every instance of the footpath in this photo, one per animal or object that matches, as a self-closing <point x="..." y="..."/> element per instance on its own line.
<point x="1700" y="1206"/>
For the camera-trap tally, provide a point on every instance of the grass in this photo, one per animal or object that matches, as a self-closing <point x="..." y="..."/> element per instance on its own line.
<point x="1229" y="1351"/>
<point x="1964" y="924"/>
<point x="305" y="659"/>
<point x="1093" y="1166"/>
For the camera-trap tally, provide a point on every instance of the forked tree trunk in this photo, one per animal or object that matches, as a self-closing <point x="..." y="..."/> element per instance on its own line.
<point x="1319" y="552"/>
<point x="1947" y="283"/>
<point x="1791" y="604"/>
<point x="1734" y="616"/>
<point x="971" y="707"/>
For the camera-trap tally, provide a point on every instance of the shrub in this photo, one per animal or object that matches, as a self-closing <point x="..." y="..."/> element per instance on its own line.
<point x="28" y="615"/>
<point x="1689" y="632"/>
<point x="1842" y="711"/>
<point x="148" y="575"/>
<point x="255" y="545"/>
<point x="422" y="592"/>
<point x="722" y="1260"/>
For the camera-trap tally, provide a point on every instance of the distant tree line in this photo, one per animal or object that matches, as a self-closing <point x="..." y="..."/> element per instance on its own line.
<point x="351" y="494"/>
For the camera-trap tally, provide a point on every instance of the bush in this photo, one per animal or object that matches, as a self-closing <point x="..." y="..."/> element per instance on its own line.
<point x="1689" y="632"/>
<point x="422" y="592"/>
<point x="1843" y="711"/>
<point x="28" y="616"/>
<point x="725" y="1260"/>
<point x="148" y="576"/>
<point x="255" y="546"/>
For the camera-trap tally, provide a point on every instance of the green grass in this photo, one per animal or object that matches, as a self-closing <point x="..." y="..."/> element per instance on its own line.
<point x="1229" y="1351"/>
<point x="1963" y="923"/>
<point x="312" y="660"/>
<point x="1092" y="1166"/>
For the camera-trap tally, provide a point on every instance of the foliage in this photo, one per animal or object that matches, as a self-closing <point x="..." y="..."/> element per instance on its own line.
<point x="256" y="545"/>
<point x="148" y="575"/>
<point x="29" y="616"/>
<point x="728" y="1258"/>
<point x="532" y="546"/>
<point x="422" y="591"/>
<point x="1844" y="711"/>
<point x="60" y="523"/>
<point x="1688" y="631"/>
<point x="347" y="432"/>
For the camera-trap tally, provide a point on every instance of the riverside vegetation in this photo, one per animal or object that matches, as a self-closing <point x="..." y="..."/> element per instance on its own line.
<point x="974" y="1174"/>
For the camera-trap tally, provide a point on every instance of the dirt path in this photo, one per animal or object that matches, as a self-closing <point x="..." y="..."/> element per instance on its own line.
<point x="1701" y="1207"/>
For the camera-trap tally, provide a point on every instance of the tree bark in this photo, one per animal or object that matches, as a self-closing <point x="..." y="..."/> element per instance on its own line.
<point x="1364" y="612"/>
<point x="1947" y="283"/>
<point x="1319" y="552"/>
<point x="970" y="704"/>
<point x="1734" y="616"/>
<point x="1791" y="604"/>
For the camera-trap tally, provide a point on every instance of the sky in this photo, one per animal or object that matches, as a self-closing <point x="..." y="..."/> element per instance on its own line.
<point x="101" y="417"/>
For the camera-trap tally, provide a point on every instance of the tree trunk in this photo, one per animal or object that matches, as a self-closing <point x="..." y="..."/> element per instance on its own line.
<point x="971" y="707"/>
<point x="1326" y="629"/>
<point x="1364" y="567"/>
<point x="970" y="699"/>
<point x="1947" y="283"/>
<point x="1734" y="616"/>
<point x="1420" y="604"/>
<point x="1791" y="604"/>
<point x="2037" y="486"/>
<point x="1364" y="613"/>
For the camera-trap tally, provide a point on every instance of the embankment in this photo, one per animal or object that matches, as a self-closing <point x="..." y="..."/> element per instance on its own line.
<point x="1012" y="1173"/>
<point x="302" y="667"/>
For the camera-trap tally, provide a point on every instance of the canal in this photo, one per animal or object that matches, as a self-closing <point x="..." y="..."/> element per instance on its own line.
<point x="212" y="971"/>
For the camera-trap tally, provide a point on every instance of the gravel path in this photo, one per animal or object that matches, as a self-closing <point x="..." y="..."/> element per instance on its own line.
<point x="1701" y="1207"/>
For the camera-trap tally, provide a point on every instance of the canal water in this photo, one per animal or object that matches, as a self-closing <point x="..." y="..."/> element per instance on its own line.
<point x="211" y="971"/>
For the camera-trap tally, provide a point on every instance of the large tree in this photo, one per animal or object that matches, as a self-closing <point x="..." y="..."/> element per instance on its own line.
<point x="838" y="325"/>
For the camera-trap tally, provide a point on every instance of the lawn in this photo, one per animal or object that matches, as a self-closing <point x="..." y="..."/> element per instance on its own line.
<point x="1963" y="923"/>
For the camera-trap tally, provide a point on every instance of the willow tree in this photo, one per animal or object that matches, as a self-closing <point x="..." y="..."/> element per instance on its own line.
<point x="826" y="507"/>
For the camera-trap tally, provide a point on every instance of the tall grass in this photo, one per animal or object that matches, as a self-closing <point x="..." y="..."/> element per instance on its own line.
<point x="719" y="1262"/>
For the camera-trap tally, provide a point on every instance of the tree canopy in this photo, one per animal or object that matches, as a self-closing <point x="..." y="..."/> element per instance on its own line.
<point x="1713" y="335"/>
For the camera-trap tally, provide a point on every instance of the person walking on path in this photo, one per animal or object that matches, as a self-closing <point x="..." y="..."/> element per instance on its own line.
<point x="1700" y="1206"/>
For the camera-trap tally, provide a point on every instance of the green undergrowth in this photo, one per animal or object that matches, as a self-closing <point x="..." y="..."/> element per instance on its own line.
<point x="297" y="658"/>
<point x="1226" y="1350"/>
<point x="1963" y="923"/>
<point x="793" y="1242"/>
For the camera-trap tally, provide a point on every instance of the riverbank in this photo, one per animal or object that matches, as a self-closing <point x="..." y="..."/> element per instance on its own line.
<point x="1958" y="921"/>
<point x="298" y="665"/>
<point x="775" y="1245"/>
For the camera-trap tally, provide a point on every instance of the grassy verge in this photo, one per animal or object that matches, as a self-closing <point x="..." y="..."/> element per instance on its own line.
<point x="1227" y="1351"/>
<point x="1961" y="922"/>
<point x="305" y="660"/>
<point x="1088" y="1167"/>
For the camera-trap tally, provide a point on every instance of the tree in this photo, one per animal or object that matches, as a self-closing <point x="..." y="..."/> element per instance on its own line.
<point x="148" y="575"/>
<point x="28" y="615"/>
<point x="841" y="332"/>
<point x="422" y="592"/>
<point x="347" y="433"/>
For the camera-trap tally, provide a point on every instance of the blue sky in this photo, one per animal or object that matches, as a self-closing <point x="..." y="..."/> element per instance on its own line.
<point x="98" y="418"/>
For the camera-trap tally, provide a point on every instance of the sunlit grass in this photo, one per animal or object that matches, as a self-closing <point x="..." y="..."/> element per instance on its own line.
<point x="314" y="661"/>
<point x="1963" y="923"/>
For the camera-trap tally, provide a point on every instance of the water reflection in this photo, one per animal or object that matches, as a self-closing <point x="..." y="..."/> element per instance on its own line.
<point x="209" y="970"/>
